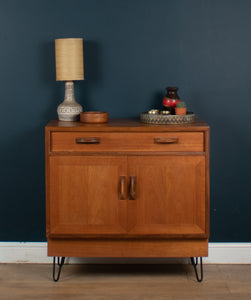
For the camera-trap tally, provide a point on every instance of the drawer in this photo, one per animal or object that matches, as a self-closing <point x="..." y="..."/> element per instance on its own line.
<point x="127" y="141"/>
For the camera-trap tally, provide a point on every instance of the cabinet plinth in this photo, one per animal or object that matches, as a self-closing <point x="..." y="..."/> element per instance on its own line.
<point x="127" y="189"/>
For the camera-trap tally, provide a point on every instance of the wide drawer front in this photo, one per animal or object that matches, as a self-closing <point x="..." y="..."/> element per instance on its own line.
<point x="127" y="141"/>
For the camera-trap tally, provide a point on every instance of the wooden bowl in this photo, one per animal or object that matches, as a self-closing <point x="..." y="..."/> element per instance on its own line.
<point x="94" y="117"/>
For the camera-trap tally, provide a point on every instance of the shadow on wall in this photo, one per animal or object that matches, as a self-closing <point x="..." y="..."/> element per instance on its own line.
<point x="93" y="75"/>
<point x="22" y="214"/>
<point x="157" y="101"/>
<point x="230" y="181"/>
<point x="48" y="79"/>
<point x="230" y="165"/>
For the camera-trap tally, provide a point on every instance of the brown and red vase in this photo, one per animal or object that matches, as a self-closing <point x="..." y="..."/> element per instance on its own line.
<point x="171" y="99"/>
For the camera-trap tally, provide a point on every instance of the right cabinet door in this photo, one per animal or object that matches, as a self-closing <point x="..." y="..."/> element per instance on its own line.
<point x="169" y="195"/>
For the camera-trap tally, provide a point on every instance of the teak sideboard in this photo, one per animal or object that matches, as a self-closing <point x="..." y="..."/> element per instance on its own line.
<point x="127" y="189"/>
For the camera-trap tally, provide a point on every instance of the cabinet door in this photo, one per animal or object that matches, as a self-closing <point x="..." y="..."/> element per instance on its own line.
<point x="84" y="195"/>
<point x="170" y="195"/>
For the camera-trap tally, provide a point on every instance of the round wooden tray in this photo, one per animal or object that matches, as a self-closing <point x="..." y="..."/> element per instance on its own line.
<point x="94" y="117"/>
<point x="167" y="119"/>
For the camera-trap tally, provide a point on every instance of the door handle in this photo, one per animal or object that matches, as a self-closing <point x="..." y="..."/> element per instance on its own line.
<point x="166" y="140"/>
<point x="132" y="188"/>
<point x="88" y="140"/>
<point x="122" y="187"/>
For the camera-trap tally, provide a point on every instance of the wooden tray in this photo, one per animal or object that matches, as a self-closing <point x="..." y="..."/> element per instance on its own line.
<point x="94" y="117"/>
<point x="167" y="119"/>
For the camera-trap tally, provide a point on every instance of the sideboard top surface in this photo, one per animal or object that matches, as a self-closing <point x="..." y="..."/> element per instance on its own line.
<point x="125" y="125"/>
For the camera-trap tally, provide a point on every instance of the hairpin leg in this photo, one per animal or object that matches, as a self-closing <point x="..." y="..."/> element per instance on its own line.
<point x="60" y="265"/>
<point x="195" y="265"/>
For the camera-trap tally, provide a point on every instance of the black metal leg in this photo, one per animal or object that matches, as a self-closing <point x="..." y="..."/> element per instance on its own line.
<point x="195" y="264"/>
<point x="60" y="265"/>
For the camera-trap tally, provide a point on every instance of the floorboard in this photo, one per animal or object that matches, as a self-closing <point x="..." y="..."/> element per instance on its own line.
<point x="130" y="282"/>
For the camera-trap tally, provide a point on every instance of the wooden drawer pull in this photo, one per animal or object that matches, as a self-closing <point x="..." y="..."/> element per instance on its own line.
<point x="88" y="140"/>
<point x="122" y="187"/>
<point x="132" y="188"/>
<point x="166" y="140"/>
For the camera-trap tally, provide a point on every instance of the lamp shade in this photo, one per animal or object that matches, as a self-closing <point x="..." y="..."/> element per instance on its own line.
<point x="69" y="59"/>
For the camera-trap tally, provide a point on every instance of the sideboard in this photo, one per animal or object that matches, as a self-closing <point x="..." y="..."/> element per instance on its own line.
<point x="127" y="189"/>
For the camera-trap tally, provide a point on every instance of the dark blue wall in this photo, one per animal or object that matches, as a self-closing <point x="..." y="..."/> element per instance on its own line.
<point x="133" y="50"/>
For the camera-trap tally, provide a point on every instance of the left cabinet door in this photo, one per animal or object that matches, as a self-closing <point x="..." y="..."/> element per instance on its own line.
<point x="84" y="196"/>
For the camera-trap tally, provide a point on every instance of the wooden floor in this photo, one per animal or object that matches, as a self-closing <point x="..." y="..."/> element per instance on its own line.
<point x="124" y="282"/>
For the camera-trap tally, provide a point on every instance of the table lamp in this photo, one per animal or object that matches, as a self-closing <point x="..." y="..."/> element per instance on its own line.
<point x="69" y="67"/>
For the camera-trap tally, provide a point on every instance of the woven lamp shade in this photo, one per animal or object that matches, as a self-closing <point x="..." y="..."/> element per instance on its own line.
<point x="69" y="59"/>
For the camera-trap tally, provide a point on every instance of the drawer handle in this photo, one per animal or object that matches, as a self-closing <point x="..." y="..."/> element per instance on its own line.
<point x="166" y="140"/>
<point x="122" y="187"/>
<point x="88" y="140"/>
<point x="132" y="188"/>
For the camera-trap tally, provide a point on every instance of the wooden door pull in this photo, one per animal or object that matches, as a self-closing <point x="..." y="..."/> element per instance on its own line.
<point x="132" y="193"/>
<point x="166" y="140"/>
<point x="88" y="140"/>
<point x="122" y="187"/>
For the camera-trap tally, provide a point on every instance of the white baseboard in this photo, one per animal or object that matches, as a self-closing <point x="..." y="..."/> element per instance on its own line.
<point x="219" y="253"/>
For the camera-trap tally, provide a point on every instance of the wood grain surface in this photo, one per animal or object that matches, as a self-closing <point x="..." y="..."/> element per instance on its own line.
<point x="124" y="141"/>
<point x="127" y="248"/>
<point x="120" y="282"/>
<point x="131" y="125"/>
<point x="160" y="209"/>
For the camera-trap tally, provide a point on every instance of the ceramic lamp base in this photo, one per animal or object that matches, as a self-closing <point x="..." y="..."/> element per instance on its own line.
<point x="69" y="110"/>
